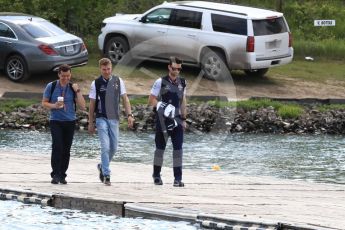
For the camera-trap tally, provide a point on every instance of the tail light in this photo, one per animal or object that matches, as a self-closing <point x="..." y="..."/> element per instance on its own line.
<point x="250" y="44"/>
<point x="290" y="39"/>
<point x="83" y="47"/>
<point x="47" y="50"/>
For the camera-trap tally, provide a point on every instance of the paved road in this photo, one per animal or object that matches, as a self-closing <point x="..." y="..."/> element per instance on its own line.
<point x="321" y="206"/>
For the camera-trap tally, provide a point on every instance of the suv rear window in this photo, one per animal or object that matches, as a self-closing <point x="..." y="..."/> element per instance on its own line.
<point x="269" y="26"/>
<point x="42" y="29"/>
<point x="228" y="24"/>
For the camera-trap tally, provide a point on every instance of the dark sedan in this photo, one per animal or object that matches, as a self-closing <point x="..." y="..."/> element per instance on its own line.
<point x="29" y="44"/>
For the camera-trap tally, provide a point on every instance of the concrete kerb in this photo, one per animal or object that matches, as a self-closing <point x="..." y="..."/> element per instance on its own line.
<point x="137" y="210"/>
<point x="89" y="204"/>
<point x="124" y="209"/>
<point x="220" y="222"/>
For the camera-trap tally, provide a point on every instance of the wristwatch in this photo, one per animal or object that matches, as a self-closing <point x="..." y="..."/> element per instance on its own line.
<point x="77" y="91"/>
<point x="130" y="115"/>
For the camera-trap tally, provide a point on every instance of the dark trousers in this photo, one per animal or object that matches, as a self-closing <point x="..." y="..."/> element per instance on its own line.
<point x="161" y="139"/>
<point x="62" y="136"/>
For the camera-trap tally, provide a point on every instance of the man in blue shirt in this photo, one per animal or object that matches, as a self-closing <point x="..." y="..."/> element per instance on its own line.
<point x="61" y="97"/>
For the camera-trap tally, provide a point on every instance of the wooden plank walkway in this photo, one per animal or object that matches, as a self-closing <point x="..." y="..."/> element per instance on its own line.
<point x="260" y="199"/>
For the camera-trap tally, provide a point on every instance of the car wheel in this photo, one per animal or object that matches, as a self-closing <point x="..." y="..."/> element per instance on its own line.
<point x="256" y="72"/>
<point x="116" y="49"/>
<point x="213" y="65"/>
<point x="16" y="68"/>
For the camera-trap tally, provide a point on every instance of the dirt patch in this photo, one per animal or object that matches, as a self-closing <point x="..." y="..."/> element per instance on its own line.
<point x="240" y="87"/>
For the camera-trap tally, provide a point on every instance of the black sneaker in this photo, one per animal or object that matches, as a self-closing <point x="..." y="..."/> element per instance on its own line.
<point x="107" y="180"/>
<point x="157" y="180"/>
<point x="55" y="180"/>
<point x="63" y="181"/>
<point x="178" y="183"/>
<point x="101" y="177"/>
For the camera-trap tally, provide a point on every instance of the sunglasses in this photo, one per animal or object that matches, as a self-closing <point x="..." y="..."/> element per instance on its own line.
<point x="174" y="69"/>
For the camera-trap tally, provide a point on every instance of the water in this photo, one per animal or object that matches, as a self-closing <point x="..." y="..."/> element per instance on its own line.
<point x="18" y="216"/>
<point x="317" y="158"/>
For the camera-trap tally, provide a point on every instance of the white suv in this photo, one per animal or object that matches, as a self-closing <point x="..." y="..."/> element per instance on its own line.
<point x="214" y="36"/>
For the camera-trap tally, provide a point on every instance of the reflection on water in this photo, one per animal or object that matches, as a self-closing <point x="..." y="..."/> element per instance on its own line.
<point x="314" y="158"/>
<point x="15" y="215"/>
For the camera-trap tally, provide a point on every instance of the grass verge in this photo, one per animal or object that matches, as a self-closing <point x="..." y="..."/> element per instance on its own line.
<point x="324" y="108"/>
<point x="285" y="110"/>
<point x="316" y="71"/>
<point x="290" y="111"/>
<point x="8" y="105"/>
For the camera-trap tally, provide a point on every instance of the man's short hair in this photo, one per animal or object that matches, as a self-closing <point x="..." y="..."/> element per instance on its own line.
<point x="104" y="61"/>
<point x="64" y="68"/>
<point x="174" y="59"/>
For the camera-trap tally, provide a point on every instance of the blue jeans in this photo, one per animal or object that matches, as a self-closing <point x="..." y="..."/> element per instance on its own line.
<point x="108" y="132"/>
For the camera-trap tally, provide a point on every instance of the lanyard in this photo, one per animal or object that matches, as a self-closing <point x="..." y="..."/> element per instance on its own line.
<point x="63" y="91"/>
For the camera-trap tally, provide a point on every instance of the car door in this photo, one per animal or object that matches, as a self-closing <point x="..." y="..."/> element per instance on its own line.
<point x="150" y="35"/>
<point x="7" y="41"/>
<point x="183" y="35"/>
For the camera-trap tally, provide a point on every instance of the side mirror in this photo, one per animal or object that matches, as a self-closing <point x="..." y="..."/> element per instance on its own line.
<point x="143" y="19"/>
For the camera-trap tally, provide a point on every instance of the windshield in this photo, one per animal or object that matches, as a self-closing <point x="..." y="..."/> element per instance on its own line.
<point x="42" y="29"/>
<point x="269" y="26"/>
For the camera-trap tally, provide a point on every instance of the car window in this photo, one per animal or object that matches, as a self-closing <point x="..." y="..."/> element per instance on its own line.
<point x="6" y="31"/>
<point x="186" y="18"/>
<point x="159" y="16"/>
<point x="228" y="24"/>
<point x="42" y="29"/>
<point x="269" y="26"/>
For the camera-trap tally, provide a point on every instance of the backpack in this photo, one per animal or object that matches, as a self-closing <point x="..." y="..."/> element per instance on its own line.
<point x="52" y="90"/>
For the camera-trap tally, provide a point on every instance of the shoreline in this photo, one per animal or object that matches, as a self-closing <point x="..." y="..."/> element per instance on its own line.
<point x="204" y="118"/>
<point x="211" y="199"/>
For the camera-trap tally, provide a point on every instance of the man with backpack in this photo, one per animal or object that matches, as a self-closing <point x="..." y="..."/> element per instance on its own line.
<point x="105" y="94"/>
<point x="168" y="97"/>
<point x="61" y="98"/>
